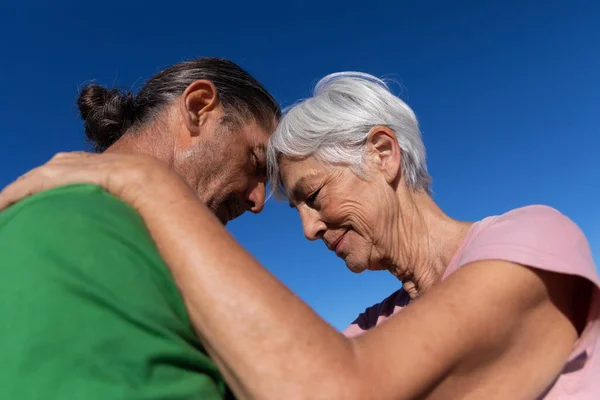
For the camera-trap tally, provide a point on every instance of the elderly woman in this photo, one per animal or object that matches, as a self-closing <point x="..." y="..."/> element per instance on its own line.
<point x="503" y="308"/>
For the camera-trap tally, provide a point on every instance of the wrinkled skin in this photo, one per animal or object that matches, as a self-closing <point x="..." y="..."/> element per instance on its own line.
<point x="228" y="170"/>
<point x="220" y="155"/>
<point x="373" y="221"/>
<point x="353" y="216"/>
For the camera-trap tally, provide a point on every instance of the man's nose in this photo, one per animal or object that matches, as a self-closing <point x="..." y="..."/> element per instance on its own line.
<point x="256" y="197"/>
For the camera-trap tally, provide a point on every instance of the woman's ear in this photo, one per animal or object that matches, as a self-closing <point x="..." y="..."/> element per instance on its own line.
<point x="383" y="150"/>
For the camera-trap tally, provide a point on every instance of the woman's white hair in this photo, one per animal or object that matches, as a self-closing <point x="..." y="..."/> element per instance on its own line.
<point x="334" y="124"/>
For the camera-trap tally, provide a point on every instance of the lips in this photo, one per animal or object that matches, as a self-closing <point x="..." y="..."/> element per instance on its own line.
<point x="334" y="245"/>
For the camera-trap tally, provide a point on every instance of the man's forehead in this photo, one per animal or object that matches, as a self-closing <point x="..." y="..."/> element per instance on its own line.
<point x="257" y="137"/>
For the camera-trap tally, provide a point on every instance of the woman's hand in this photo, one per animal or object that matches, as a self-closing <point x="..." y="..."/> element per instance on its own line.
<point x="134" y="179"/>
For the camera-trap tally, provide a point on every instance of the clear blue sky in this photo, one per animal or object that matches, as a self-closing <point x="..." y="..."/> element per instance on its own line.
<point x="507" y="92"/>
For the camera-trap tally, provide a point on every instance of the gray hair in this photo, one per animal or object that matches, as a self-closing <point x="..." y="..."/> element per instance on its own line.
<point x="334" y="124"/>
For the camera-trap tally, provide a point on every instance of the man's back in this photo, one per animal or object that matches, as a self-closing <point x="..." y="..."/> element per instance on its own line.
<point x="88" y="309"/>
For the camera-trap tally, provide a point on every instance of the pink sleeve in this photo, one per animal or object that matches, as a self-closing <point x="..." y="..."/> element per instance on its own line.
<point x="538" y="237"/>
<point x="377" y="313"/>
<point x="541" y="237"/>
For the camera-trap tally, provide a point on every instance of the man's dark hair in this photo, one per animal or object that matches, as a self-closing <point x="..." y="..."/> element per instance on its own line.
<point x="109" y="113"/>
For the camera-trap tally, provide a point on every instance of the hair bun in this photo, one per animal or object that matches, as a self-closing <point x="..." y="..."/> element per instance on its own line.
<point x="107" y="114"/>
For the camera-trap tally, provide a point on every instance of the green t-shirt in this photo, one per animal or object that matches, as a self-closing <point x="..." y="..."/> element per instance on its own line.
<point x="89" y="310"/>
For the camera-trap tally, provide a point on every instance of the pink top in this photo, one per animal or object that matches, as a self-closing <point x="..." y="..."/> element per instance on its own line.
<point x="539" y="237"/>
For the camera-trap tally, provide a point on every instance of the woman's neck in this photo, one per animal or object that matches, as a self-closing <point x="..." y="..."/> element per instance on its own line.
<point x="428" y="241"/>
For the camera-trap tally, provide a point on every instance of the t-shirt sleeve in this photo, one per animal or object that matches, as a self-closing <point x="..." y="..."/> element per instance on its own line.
<point x="536" y="236"/>
<point x="541" y="237"/>
<point x="88" y="309"/>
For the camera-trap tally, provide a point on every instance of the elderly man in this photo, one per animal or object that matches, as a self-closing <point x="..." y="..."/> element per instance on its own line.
<point x="89" y="309"/>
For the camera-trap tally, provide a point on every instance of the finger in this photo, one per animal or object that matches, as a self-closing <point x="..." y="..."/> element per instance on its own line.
<point x="61" y="156"/>
<point x="69" y="155"/>
<point x="37" y="180"/>
<point x="25" y="175"/>
<point x="20" y="189"/>
<point x="72" y="168"/>
<point x="29" y="174"/>
<point x="76" y="154"/>
<point x="49" y="176"/>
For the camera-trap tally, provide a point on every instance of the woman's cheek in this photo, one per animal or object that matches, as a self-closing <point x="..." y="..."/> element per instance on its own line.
<point x="342" y="211"/>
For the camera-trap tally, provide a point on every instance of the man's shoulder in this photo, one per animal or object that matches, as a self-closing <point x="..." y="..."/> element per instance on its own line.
<point x="74" y="210"/>
<point x="83" y="231"/>
<point x="79" y="229"/>
<point x="73" y="202"/>
<point x="79" y="265"/>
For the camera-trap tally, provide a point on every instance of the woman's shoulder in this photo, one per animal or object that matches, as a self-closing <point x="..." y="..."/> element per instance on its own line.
<point x="537" y="213"/>
<point x="536" y="228"/>
<point x="537" y="236"/>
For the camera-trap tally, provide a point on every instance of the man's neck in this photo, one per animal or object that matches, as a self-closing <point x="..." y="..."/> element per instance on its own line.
<point x="144" y="143"/>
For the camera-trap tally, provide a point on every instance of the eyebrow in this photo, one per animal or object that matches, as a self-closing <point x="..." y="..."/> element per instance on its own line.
<point x="260" y="149"/>
<point x="294" y="193"/>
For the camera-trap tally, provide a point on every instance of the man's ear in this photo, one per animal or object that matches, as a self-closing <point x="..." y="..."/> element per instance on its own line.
<point x="384" y="152"/>
<point x="199" y="99"/>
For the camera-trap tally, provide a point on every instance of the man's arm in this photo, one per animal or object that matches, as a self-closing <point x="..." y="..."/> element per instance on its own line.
<point x="88" y="310"/>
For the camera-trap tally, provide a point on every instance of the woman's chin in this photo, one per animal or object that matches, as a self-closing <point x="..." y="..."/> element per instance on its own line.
<point x="357" y="268"/>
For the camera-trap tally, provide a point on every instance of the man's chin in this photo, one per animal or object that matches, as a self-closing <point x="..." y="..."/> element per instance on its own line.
<point x="225" y="217"/>
<point x="222" y="216"/>
<point x="226" y="213"/>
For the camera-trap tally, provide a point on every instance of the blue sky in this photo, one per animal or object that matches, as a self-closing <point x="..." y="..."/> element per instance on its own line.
<point x="507" y="93"/>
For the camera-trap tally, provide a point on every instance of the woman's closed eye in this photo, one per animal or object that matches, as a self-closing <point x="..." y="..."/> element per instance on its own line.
<point x="312" y="198"/>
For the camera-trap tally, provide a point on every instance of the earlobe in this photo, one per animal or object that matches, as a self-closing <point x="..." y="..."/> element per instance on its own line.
<point x="199" y="99"/>
<point x="385" y="151"/>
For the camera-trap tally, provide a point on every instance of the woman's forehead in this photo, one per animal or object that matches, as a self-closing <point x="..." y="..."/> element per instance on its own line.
<point x="295" y="174"/>
<point x="293" y="169"/>
<point x="297" y="179"/>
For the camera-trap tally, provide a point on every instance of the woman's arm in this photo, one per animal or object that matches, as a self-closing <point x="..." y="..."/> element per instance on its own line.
<point x="276" y="345"/>
<point x="279" y="348"/>
<point x="491" y="317"/>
